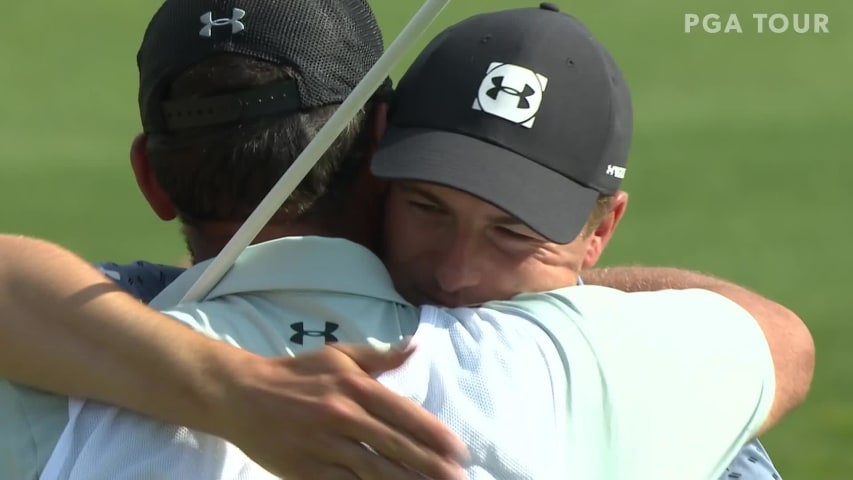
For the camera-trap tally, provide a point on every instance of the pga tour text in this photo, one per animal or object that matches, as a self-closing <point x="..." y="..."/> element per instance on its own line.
<point x="756" y="23"/>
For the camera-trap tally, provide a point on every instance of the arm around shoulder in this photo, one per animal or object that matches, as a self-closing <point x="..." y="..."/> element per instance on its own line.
<point x="791" y="347"/>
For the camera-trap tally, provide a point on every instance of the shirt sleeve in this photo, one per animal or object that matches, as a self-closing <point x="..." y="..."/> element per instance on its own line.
<point x="678" y="381"/>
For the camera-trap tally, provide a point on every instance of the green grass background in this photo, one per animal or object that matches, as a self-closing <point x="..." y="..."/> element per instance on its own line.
<point x="739" y="165"/>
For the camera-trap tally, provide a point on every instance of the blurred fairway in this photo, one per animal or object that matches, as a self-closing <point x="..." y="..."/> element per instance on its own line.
<point x="738" y="165"/>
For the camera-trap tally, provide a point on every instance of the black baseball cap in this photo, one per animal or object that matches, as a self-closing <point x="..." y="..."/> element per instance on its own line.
<point x="522" y="108"/>
<point x="331" y="44"/>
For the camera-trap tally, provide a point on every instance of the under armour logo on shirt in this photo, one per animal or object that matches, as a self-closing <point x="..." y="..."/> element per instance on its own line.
<point x="511" y="92"/>
<point x="236" y="25"/>
<point x="301" y="333"/>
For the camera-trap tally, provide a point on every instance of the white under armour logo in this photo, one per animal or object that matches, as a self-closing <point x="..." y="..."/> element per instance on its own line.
<point x="511" y="92"/>
<point x="236" y="25"/>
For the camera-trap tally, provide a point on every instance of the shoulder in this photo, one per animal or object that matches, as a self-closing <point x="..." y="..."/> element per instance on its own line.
<point x="663" y="326"/>
<point x="289" y="322"/>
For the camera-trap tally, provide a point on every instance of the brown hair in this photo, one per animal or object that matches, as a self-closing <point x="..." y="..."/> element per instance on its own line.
<point x="222" y="174"/>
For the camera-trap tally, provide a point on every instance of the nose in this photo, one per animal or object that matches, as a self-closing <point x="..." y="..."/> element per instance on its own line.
<point x="457" y="269"/>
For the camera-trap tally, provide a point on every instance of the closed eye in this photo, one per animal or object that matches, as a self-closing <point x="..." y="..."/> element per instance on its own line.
<point x="426" y="207"/>
<point x="513" y="235"/>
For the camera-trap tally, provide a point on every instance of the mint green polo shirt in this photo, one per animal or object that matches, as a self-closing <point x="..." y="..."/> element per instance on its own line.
<point x="616" y="350"/>
<point x="615" y="364"/>
<point x="292" y="295"/>
<point x="299" y="279"/>
<point x="30" y="424"/>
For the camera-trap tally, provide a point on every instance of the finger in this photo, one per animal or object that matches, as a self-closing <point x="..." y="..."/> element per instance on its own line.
<point x="434" y="462"/>
<point x="373" y="360"/>
<point x="326" y="472"/>
<point x="327" y="360"/>
<point x="367" y="465"/>
<point x="406" y="417"/>
<point x="402" y="450"/>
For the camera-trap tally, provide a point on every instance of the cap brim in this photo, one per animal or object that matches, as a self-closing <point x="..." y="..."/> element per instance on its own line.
<point x="554" y="206"/>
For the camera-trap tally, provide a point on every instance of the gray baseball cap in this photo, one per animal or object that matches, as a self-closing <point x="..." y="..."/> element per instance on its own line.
<point x="332" y="44"/>
<point x="522" y="108"/>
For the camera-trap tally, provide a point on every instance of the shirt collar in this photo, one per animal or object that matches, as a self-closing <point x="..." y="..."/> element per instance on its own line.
<point x="317" y="264"/>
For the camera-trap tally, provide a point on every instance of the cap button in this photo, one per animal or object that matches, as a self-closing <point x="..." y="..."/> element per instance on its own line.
<point x="549" y="6"/>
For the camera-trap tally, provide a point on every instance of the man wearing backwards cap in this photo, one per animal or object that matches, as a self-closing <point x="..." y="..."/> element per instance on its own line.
<point x="230" y="93"/>
<point x="455" y="204"/>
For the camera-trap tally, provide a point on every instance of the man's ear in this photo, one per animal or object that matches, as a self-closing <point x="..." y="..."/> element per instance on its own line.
<point x="375" y="187"/>
<point x="147" y="181"/>
<point x="604" y="231"/>
<point x="379" y="123"/>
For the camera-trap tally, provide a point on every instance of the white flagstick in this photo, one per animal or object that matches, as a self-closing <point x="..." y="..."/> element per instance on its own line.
<point x="315" y="149"/>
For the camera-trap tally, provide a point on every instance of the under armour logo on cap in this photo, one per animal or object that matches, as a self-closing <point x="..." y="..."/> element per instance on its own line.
<point x="301" y="333"/>
<point x="511" y="92"/>
<point x="236" y="25"/>
<point x="522" y="95"/>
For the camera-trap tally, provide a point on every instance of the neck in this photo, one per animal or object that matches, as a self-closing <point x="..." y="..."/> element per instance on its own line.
<point x="357" y="220"/>
<point x="206" y="241"/>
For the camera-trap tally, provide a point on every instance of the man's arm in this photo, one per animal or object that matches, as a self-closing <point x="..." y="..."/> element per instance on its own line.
<point x="790" y="342"/>
<point x="66" y="328"/>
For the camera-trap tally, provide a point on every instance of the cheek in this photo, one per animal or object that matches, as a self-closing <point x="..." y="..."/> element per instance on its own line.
<point x="539" y="277"/>
<point x="401" y="234"/>
<point x="408" y="263"/>
<point x="500" y="277"/>
<point x="407" y="252"/>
